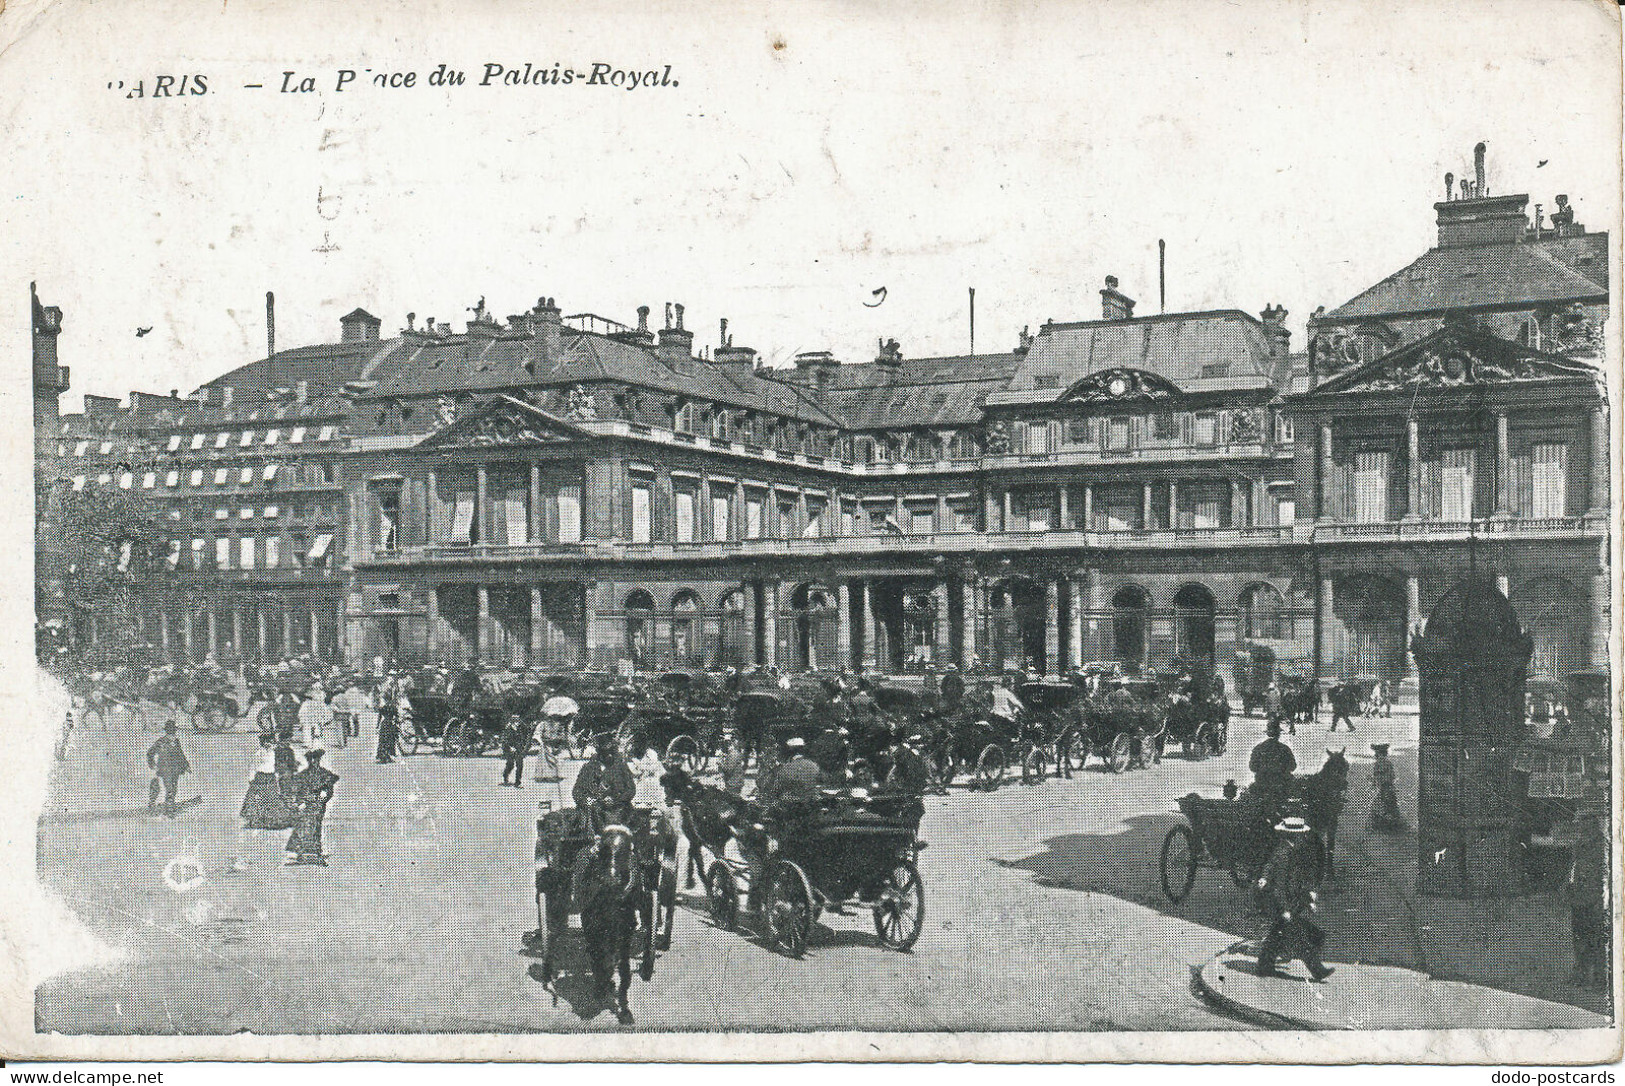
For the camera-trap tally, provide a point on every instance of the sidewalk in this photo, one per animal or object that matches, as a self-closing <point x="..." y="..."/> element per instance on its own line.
<point x="1372" y="997"/>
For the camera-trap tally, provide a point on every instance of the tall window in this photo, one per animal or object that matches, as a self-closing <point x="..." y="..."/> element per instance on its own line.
<point x="685" y="516"/>
<point x="1205" y="429"/>
<point x="1370" y="487"/>
<point x="246" y="552"/>
<point x="1038" y="437"/>
<point x="721" y="514"/>
<point x="642" y="510"/>
<point x="387" y="501"/>
<point x="570" y="513"/>
<point x="1549" y="480"/>
<point x="1261" y="607"/>
<point x="1207" y="509"/>
<point x="815" y="519"/>
<point x="1117" y="434"/>
<point x="1456" y="485"/>
<point x="753" y="517"/>
<point x="222" y="553"/>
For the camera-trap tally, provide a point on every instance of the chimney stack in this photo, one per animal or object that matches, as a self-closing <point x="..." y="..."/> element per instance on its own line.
<point x="1114" y="304"/>
<point x="225" y="398"/>
<point x="549" y="327"/>
<point x="301" y="392"/>
<point x="820" y="364"/>
<point x="1479" y="188"/>
<point x="676" y="343"/>
<point x="270" y="324"/>
<point x="1476" y="217"/>
<point x="1274" y="318"/>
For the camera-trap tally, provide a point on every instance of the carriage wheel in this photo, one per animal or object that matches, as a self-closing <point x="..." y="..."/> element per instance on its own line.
<point x="1178" y="863"/>
<point x="990" y="765"/>
<point x="1218" y="739"/>
<point x="1120" y="753"/>
<point x="1196" y="749"/>
<point x="684" y="751"/>
<point x="722" y="895"/>
<point x="1074" y="751"/>
<point x="943" y="768"/>
<point x="789" y="908"/>
<point x="900" y="912"/>
<point x="1034" y="766"/>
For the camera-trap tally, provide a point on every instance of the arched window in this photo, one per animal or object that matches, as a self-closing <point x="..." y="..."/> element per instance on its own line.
<point x="1261" y="612"/>
<point x="1131" y="608"/>
<point x="736" y="649"/>
<point x="686" y="647"/>
<point x="1193" y="625"/>
<point x="639" y="610"/>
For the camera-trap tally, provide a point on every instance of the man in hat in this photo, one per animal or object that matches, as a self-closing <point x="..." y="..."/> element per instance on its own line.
<point x="167" y="761"/>
<point x="604" y="788"/>
<point x="792" y="783"/>
<point x="516" y="737"/>
<point x="312" y="789"/>
<point x="903" y="791"/>
<point x="1385" y="813"/>
<point x="953" y="689"/>
<point x="829" y="750"/>
<point x="1272" y="765"/>
<point x="1287" y="894"/>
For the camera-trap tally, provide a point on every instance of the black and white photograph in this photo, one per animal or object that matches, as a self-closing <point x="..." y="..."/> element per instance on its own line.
<point x="1010" y="531"/>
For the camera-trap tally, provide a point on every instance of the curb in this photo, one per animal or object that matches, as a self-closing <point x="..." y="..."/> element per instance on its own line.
<point x="1257" y="1015"/>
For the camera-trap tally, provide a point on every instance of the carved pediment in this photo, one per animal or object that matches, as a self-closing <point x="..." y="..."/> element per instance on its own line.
<point x="1455" y="358"/>
<point x="505" y="423"/>
<point x="1113" y="385"/>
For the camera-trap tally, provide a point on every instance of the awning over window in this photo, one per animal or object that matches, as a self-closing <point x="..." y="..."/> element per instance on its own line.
<point x="319" y="549"/>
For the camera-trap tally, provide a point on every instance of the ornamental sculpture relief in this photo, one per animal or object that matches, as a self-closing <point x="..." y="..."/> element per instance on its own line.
<point x="1450" y="368"/>
<point x="1119" y="384"/>
<point x="1578" y="336"/>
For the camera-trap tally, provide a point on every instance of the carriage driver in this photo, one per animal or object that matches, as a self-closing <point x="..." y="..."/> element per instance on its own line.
<point x="788" y="791"/>
<point x="1272" y="765"/>
<point x="604" y="788"/>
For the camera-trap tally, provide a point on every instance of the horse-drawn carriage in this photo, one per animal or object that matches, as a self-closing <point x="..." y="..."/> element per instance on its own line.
<point x="765" y="717"/>
<point x="848" y="853"/>
<point x="1122" y="722"/>
<point x="1052" y="715"/>
<point x="681" y="716"/>
<point x="203" y="695"/>
<point x="1255" y="668"/>
<point x="1300" y="697"/>
<point x="1237" y="833"/>
<point x="621" y="880"/>
<point x="974" y="739"/>
<point x="1198" y="714"/>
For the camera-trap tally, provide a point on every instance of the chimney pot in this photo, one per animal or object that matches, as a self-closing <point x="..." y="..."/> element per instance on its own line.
<point x="679" y="308"/>
<point x="1449" y="185"/>
<point x="1479" y="188"/>
<point x="643" y="318"/>
<point x="1114" y="304"/>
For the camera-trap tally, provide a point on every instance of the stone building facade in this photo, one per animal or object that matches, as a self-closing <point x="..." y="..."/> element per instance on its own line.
<point x="572" y="492"/>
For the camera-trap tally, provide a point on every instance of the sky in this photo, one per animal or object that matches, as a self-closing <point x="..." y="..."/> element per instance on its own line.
<point x="800" y="159"/>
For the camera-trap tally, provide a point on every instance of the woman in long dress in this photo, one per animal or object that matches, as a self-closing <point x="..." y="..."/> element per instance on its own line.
<point x="264" y="807"/>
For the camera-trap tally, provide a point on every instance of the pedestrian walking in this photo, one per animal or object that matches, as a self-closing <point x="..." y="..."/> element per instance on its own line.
<point x="516" y="738"/>
<point x="1385" y="813"/>
<point x="389" y="720"/>
<point x="312" y="790"/>
<point x="264" y="806"/>
<point x="168" y="762"/>
<point x="1287" y="893"/>
<point x="1345" y="700"/>
<point x="733" y="767"/>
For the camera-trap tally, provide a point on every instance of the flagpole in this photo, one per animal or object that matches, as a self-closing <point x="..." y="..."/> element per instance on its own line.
<point x="973" y="322"/>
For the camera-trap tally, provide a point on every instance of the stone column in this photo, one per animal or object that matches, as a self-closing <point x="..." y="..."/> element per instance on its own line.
<point x="1600" y="588"/>
<point x="1413" y="618"/>
<point x="1413" y="469"/>
<point x="869" y="660"/>
<point x="770" y="621"/>
<point x="431" y="502"/>
<point x="1091" y="603"/>
<point x="538" y="622"/>
<point x="1323" y="499"/>
<point x="482" y="628"/>
<point x="1007" y="509"/>
<point x="237" y="630"/>
<point x="533" y="512"/>
<point x="967" y="619"/>
<point x="1503" y="467"/>
<point x="1052" y="626"/>
<point x="1238" y="504"/>
<point x="1145" y="505"/>
<point x="979" y="595"/>
<point x="482" y="527"/>
<point x="259" y="629"/>
<point x="589" y="624"/>
<point x="316" y="634"/>
<point x="942" y="640"/>
<point x="1074" y="623"/>
<point x="1088" y="507"/>
<point x="214" y="643"/>
<point x="1599" y="465"/>
<point x="843" y="624"/>
<point x="186" y="633"/>
<point x="163" y="631"/>
<point x="1323" y="616"/>
<point x="431" y="621"/>
<point x="1063" y="522"/>
<point x="287" y="632"/>
<point x="1173" y="504"/>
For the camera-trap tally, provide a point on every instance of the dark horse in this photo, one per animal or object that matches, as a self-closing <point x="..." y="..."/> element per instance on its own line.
<point x="1323" y="794"/>
<point x="608" y="889"/>
<point x="708" y="814"/>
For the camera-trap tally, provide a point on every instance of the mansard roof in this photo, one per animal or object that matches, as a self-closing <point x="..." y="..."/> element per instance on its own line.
<point x="946" y="391"/>
<point x="1549" y="271"/>
<point x="1457" y="356"/>
<point x="1217" y="351"/>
